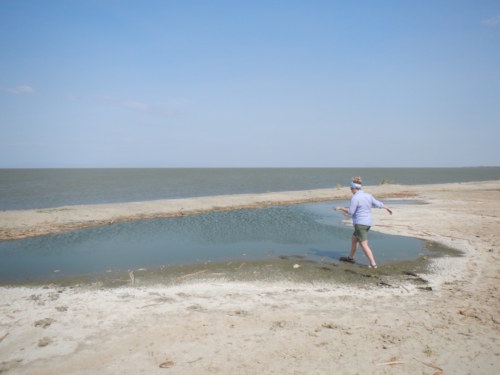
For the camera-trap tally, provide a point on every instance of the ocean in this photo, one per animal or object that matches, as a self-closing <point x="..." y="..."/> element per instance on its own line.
<point x="44" y="188"/>
<point x="291" y="242"/>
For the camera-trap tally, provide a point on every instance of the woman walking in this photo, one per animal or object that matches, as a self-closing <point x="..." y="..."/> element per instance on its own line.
<point x="360" y="209"/>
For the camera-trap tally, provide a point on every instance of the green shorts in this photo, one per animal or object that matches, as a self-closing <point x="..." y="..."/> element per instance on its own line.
<point x="361" y="232"/>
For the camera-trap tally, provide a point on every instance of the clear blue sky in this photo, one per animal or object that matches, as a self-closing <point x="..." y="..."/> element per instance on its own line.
<point x="249" y="83"/>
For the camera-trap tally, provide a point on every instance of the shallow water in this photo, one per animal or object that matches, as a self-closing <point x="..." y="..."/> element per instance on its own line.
<point x="266" y="240"/>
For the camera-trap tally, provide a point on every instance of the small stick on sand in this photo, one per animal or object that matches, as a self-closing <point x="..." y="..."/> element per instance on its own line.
<point x="429" y="364"/>
<point x="391" y="363"/>
<point x="4" y="336"/>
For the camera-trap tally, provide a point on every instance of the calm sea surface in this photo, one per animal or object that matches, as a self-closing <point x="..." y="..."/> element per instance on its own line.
<point x="43" y="188"/>
<point x="258" y="243"/>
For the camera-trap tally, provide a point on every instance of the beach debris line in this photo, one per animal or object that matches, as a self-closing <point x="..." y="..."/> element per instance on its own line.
<point x="191" y="274"/>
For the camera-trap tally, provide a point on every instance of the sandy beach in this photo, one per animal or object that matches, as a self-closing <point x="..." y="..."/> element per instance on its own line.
<point x="205" y="326"/>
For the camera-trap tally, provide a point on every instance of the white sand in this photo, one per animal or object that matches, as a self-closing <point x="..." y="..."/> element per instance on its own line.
<point x="271" y="328"/>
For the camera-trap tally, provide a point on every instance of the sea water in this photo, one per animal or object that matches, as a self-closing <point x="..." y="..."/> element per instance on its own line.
<point x="44" y="188"/>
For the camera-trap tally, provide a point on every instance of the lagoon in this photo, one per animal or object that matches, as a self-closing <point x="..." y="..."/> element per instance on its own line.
<point x="306" y="232"/>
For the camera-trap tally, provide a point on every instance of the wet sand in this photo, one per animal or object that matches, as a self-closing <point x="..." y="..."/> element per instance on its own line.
<point x="205" y="325"/>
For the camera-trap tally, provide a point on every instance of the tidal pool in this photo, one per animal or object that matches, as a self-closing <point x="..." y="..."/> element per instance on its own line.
<point x="310" y="237"/>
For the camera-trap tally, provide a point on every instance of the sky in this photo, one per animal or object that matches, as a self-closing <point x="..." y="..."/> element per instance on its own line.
<point x="112" y="83"/>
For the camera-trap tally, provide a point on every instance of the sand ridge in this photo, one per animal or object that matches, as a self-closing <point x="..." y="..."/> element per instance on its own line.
<point x="17" y="224"/>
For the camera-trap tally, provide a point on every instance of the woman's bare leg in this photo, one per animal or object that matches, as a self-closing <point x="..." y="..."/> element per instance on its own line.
<point x="368" y="252"/>
<point x="354" y="246"/>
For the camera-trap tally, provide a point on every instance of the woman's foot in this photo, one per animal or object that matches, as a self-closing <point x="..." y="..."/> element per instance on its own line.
<point x="347" y="259"/>
<point x="374" y="266"/>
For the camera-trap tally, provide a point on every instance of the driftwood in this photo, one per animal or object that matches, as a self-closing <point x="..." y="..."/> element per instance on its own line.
<point x="390" y="363"/>
<point x="429" y="364"/>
